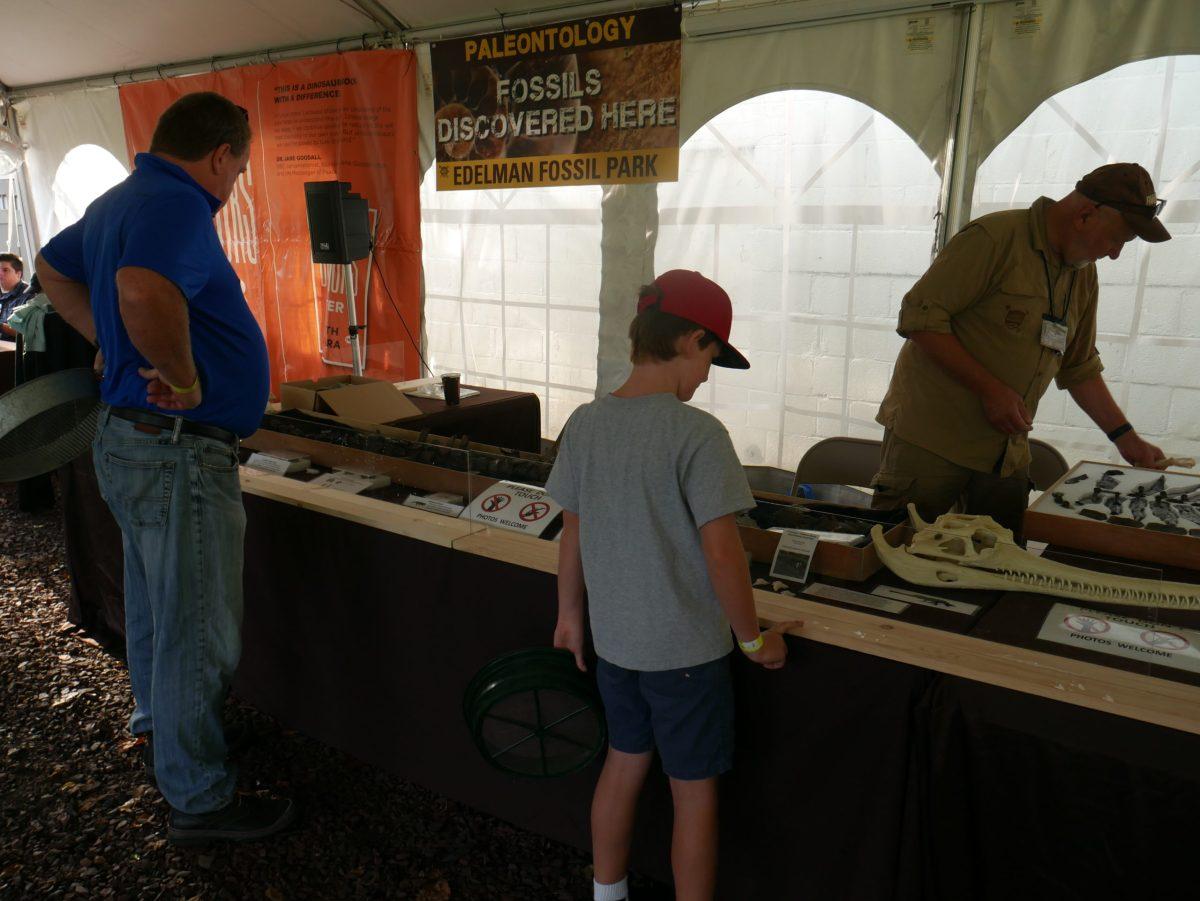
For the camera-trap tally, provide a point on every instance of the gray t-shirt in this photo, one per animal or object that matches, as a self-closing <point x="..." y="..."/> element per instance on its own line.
<point x="644" y="474"/>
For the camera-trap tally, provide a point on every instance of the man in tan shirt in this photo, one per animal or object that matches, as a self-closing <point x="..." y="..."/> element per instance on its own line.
<point x="1009" y="304"/>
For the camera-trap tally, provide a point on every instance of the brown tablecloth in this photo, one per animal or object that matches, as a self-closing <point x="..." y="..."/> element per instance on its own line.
<point x="365" y="640"/>
<point x="855" y="777"/>
<point x="510" y="419"/>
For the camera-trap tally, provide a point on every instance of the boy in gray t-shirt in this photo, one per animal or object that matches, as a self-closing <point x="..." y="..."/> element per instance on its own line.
<point x="650" y="488"/>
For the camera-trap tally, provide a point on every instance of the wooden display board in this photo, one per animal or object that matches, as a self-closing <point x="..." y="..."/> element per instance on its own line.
<point x="1047" y="520"/>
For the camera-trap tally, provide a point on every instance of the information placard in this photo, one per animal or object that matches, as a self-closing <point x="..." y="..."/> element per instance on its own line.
<point x="1123" y="636"/>
<point x="793" y="555"/>
<point x="511" y="505"/>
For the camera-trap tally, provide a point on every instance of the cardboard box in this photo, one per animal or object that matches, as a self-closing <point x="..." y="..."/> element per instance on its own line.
<point x="348" y="397"/>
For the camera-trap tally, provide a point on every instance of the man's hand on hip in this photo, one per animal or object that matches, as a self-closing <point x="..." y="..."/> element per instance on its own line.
<point x="1005" y="410"/>
<point x="160" y="394"/>
<point x="1138" y="452"/>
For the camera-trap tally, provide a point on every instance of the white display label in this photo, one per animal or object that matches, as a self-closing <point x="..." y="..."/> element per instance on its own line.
<point x="349" y="482"/>
<point x="278" y="465"/>
<point x="1122" y="636"/>
<point x="926" y="600"/>
<point x="847" y="596"/>
<point x="793" y="555"/>
<point x="511" y="505"/>
<point x="433" y="505"/>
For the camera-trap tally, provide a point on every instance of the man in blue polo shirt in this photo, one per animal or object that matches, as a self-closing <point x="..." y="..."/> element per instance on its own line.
<point x="143" y="273"/>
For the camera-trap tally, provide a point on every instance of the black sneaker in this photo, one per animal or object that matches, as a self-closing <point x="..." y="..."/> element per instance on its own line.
<point x="247" y="818"/>
<point x="238" y="738"/>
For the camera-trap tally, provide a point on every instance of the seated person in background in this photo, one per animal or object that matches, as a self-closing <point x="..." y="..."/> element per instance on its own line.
<point x="12" y="289"/>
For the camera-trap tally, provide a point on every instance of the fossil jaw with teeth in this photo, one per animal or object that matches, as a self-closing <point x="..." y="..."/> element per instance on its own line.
<point x="960" y="551"/>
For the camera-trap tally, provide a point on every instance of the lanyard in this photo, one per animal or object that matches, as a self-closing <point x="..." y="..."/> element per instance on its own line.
<point x="1050" y="291"/>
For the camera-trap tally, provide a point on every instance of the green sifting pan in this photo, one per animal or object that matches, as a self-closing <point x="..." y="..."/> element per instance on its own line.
<point x="533" y="713"/>
<point x="47" y="422"/>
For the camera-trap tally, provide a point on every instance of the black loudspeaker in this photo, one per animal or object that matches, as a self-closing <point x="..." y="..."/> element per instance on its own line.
<point x="338" y="222"/>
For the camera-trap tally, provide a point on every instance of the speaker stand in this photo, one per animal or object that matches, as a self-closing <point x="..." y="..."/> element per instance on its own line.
<point x="355" y="351"/>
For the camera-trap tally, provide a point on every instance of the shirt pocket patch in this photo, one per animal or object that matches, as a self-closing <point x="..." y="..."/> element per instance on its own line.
<point x="1020" y="304"/>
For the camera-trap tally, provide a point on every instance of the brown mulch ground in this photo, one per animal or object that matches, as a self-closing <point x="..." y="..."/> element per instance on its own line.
<point x="78" y="817"/>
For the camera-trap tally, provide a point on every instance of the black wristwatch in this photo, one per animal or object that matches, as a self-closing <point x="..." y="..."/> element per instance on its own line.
<point x="1120" y="430"/>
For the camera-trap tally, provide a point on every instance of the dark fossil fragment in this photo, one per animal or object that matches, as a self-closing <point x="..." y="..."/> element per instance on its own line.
<point x="1164" y="511"/>
<point x="1163" y="527"/>
<point x="1125" y="521"/>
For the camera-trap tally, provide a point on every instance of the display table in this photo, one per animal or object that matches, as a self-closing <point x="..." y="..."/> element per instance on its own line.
<point x="338" y="642"/>
<point x="511" y="419"/>
<point x="8" y="364"/>
<point x="893" y="757"/>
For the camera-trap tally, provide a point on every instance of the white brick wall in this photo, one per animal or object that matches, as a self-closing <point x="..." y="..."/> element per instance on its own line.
<point x="520" y="339"/>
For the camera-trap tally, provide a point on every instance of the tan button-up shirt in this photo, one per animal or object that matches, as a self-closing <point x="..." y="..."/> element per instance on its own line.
<point x="988" y="287"/>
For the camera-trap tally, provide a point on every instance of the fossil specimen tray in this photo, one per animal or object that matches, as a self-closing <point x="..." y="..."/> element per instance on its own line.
<point x="1122" y="511"/>
<point x="840" y="561"/>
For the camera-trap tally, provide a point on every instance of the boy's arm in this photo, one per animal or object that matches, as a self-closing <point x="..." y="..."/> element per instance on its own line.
<point x="730" y="577"/>
<point x="568" y="633"/>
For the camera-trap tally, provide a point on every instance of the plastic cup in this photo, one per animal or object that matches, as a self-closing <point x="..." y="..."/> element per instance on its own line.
<point x="450" y="383"/>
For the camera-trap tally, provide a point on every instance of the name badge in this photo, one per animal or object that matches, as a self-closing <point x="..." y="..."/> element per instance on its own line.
<point x="1054" y="334"/>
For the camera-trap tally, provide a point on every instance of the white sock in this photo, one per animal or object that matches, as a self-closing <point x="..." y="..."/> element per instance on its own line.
<point x="614" y="891"/>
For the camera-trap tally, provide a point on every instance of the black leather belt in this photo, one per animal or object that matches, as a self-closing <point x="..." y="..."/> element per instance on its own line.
<point x="156" y="424"/>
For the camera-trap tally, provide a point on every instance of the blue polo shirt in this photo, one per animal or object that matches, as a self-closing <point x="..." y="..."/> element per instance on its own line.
<point x="160" y="218"/>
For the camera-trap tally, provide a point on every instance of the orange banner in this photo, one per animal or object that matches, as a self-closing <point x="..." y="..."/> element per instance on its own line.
<point x="347" y="116"/>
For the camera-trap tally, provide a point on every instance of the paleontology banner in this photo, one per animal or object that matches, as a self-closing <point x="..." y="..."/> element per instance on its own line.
<point x="593" y="101"/>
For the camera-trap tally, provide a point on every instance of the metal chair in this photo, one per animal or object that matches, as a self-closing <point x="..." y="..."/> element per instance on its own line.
<point x="769" y="478"/>
<point x="1048" y="464"/>
<point x="853" y="461"/>
<point x="839" y="461"/>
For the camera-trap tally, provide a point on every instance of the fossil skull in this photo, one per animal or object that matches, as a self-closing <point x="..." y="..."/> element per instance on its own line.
<point x="961" y="551"/>
<point x="958" y="538"/>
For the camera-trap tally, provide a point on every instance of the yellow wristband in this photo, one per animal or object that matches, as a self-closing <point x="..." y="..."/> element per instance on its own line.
<point x="188" y="390"/>
<point x="752" y="647"/>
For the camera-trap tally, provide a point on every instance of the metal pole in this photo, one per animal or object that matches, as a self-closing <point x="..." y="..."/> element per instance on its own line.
<point x="356" y="361"/>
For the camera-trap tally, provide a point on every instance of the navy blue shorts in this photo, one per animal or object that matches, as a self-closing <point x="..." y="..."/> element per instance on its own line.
<point x="686" y="713"/>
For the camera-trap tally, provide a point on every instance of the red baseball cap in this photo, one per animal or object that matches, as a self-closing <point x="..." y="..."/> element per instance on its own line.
<point x="691" y="296"/>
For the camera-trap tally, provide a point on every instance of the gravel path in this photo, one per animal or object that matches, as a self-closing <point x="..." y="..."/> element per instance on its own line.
<point x="78" y="818"/>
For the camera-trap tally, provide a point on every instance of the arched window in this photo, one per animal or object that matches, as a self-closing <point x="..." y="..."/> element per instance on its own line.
<point x="512" y="286"/>
<point x="86" y="172"/>
<point x="1146" y="112"/>
<point x="815" y="212"/>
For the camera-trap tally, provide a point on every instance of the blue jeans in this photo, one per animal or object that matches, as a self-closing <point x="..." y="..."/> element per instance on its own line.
<point x="178" y="502"/>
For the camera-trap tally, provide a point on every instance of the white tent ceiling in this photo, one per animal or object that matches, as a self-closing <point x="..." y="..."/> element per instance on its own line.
<point x="60" y="40"/>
